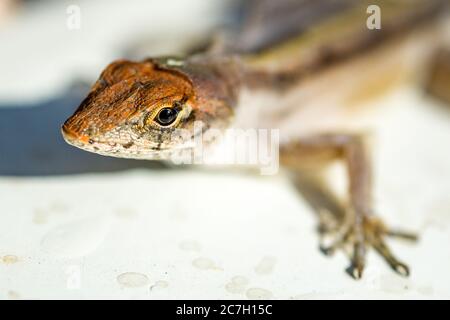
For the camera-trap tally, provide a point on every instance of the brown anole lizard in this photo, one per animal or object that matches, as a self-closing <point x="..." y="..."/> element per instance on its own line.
<point x="305" y="83"/>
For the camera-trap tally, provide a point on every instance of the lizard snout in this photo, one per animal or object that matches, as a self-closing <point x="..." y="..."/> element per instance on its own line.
<point x="73" y="137"/>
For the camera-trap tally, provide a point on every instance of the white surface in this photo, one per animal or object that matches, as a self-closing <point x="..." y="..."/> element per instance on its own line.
<point x="39" y="51"/>
<point x="189" y="234"/>
<point x="192" y="232"/>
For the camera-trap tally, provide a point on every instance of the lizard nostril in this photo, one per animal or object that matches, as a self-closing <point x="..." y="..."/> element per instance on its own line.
<point x="72" y="136"/>
<point x="67" y="134"/>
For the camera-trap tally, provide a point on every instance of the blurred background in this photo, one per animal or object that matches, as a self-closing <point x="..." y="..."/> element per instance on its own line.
<point x="78" y="225"/>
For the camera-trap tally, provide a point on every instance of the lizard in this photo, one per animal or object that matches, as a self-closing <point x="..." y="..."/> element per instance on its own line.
<point x="306" y="78"/>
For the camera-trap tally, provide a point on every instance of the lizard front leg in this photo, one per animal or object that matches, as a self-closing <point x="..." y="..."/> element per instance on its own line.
<point x="359" y="227"/>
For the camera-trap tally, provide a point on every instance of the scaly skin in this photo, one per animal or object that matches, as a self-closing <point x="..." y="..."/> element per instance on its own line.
<point x="134" y="108"/>
<point x="118" y="116"/>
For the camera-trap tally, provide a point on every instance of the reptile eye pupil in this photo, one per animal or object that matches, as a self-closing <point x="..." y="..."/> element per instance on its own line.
<point x="166" y="116"/>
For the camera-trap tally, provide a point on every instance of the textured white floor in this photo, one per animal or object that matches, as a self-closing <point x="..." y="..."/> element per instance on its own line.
<point x="194" y="234"/>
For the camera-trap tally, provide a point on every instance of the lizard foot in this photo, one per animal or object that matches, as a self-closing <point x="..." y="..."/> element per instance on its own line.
<point x="356" y="238"/>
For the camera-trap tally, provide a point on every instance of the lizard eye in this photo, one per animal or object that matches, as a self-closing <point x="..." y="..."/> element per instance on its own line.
<point x="166" y="116"/>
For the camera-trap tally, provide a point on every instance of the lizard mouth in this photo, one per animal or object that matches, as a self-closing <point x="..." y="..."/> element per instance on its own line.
<point x="111" y="149"/>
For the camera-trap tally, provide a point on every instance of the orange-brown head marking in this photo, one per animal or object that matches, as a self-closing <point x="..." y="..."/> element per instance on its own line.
<point x="134" y="108"/>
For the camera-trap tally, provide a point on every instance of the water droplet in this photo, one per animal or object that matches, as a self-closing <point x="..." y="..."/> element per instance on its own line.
<point x="160" y="284"/>
<point x="13" y="295"/>
<point x="259" y="294"/>
<point x="77" y="238"/>
<point x="266" y="265"/>
<point x="190" y="246"/>
<point x="40" y="216"/>
<point x="240" y="280"/>
<point x="132" y="279"/>
<point x="10" y="259"/>
<point x="204" y="264"/>
<point x="234" y="288"/>
<point x="237" y="284"/>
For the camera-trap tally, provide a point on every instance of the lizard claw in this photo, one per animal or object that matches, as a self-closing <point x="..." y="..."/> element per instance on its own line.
<point x="371" y="234"/>
<point x="355" y="272"/>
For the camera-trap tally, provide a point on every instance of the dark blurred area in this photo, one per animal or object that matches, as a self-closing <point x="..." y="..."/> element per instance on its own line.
<point x="32" y="144"/>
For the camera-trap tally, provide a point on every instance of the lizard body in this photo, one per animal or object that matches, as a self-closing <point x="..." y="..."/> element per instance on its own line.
<point x="308" y="85"/>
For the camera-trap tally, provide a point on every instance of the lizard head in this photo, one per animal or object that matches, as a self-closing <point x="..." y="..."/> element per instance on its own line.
<point x="149" y="109"/>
